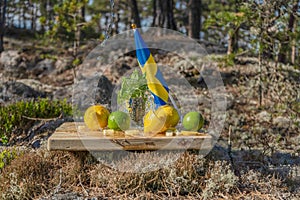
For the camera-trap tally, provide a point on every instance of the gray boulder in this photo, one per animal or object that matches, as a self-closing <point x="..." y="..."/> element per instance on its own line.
<point x="12" y="65"/>
<point x="10" y="59"/>
<point x="44" y="67"/>
<point x="103" y="91"/>
<point x="92" y="90"/>
<point x="16" y="91"/>
<point x="62" y="64"/>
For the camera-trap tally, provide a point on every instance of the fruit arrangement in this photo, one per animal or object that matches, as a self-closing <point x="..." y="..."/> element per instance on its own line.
<point x="162" y="120"/>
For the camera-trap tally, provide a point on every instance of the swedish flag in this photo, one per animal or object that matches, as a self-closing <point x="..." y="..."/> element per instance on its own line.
<point x="155" y="81"/>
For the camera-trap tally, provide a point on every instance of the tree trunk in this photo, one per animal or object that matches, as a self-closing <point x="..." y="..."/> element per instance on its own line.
<point x="292" y="29"/>
<point x="163" y="15"/>
<point x="294" y="43"/>
<point x="232" y="42"/>
<point x="33" y="17"/>
<point x="236" y="40"/>
<point x="117" y="23"/>
<point x="286" y="47"/>
<point x="9" y="19"/>
<point x="80" y="13"/>
<point x="106" y="22"/>
<point x="234" y="36"/>
<point x="83" y="13"/>
<point x="50" y="13"/>
<point x="154" y="2"/>
<point x="44" y="13"/>
<point x="135" y="13"/>
<point x="2" y="23"/>
<point x="1" y="28"/>
<point x="23" y="16"/>
<point x="260" y="64"/>
<point x="194" y="18"/>
<point x="230" y="45"/>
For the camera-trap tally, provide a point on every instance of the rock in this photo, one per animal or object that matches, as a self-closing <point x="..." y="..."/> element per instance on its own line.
<point x="43" y="67"/>
<point x="117" y="71"/>
<point x="12" y="65"/>
<point x="63" y="93"/>
<point x="62" y="64"/>
<point x="2" y="102"/>
<point x="65" y="196"/>
<point x="17" y="91"/>
<point x="10" y="59"/>
<point x="174" y="59"/>
<point x="183" y="65"/>
<point x="36" y="144"/>
<point x="281" y="122"/>
<point x="229" y="100"/>
<point x="263" y="116"/>
<point x="22" y="71"/>
<point x="38" y="86"/>
<point x="253" y="102"/>
<point x="104" y="91"/>
<point x="97" y="89"/>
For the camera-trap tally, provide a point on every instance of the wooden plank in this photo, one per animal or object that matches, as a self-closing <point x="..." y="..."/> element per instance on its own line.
<point x="78" y="137"/>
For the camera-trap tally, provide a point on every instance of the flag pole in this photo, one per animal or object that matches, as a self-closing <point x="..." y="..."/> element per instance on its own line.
<point x="175" y="106"/>
<point x="134" y="27"/>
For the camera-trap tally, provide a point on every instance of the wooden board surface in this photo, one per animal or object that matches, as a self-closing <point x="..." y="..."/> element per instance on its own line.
<point x="77" y="137"/>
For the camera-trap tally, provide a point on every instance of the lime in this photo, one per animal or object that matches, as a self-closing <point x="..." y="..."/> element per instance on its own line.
<point x="95" y="117"/>
<point x="193" y="121"/>
<point x="119" y="120"/>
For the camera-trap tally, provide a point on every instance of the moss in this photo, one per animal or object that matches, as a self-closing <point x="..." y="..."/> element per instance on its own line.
<point x="6" y="156"/>
<point x="16" y="118"/>
<point x="221" y="180"/>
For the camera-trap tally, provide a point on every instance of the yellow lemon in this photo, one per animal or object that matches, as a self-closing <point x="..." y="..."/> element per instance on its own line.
<point x="153" y="124"/>
<point x="170" y="115"/>
<point x="96" y="117"/>
<point x="162" y="119"/>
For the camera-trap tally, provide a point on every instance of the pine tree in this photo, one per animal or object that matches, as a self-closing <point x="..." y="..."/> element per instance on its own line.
<point x="163" y="14"/>
<point x="69" y="21"/>
<point x="268" y="25"/>
<point x="3" y="5"/>
<point x="227" y="20"/>
<point x="194" y="18"/>
<point x="135" y="13"/>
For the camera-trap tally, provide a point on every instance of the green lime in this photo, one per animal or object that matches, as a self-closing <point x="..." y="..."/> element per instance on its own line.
<point x="193" y="121"/>
<point x="119" y="120"/>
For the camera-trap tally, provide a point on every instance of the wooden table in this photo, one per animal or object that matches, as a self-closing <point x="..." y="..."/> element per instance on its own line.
<point x="77" y="137"/>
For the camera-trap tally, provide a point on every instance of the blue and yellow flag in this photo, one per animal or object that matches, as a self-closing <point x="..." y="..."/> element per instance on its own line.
<point x="155" y="81"/>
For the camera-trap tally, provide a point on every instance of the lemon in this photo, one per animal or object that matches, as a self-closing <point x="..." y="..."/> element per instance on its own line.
<point x="193" y="121"/>
<point x="95" y="117"/>
<point x="153" y="124"/>
<point x="170" y="115"/>
<point x="161" y="120"/>
<point x="119" y="120"/>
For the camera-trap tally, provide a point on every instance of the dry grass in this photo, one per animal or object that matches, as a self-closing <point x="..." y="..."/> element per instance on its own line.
<point x="46" y="174"/>
<point x="35" y="173"/>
